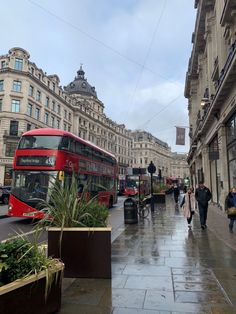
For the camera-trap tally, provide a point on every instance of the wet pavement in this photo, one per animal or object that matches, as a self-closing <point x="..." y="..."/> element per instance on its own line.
<point x="159" y="266"/>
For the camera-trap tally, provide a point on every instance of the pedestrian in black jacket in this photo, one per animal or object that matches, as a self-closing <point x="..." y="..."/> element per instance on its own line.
<point x="203" y="196"/>
<point x="230" y="201"/>
<point x="176" y="193"/>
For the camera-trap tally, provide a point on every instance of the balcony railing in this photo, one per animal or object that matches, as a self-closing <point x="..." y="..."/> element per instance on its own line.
<point x="226" y="16"/>
<point x="229" y="59"/>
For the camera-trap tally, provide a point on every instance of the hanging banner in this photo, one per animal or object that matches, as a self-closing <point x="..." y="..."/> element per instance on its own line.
<point x="180" y="136"/>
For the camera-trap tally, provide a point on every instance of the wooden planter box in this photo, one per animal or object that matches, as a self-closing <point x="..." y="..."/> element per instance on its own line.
<point x="27" y="296"/>
<point x="86" y="252"/>
<point x="159" y="198"/>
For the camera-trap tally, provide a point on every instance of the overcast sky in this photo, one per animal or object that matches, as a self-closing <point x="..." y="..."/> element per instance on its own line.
<point x="135" y="53"/>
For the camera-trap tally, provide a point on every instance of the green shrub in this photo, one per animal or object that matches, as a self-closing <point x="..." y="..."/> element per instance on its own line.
<point x="20" y="258"/>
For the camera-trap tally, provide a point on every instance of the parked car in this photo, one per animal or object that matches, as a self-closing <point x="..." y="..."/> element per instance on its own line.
<point x="131" y="191"/>
<point x="5" y="194"/>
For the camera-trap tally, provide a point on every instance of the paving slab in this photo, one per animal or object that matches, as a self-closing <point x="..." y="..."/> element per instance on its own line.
<point x="160" y="266"/>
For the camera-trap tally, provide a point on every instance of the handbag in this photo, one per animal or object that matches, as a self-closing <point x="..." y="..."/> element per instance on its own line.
<point x="231" y="211"/>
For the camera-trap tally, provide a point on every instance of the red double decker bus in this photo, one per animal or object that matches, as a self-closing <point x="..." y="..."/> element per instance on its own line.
<point x="46" y="155"/>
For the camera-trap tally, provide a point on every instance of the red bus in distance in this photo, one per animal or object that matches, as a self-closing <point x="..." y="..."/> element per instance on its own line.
<point x="46" y="155"/>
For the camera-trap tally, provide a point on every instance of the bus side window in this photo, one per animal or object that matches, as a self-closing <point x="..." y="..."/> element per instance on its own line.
<point x="64" y="143"/>
<point x="72" y="145"/>
<point x="78" y="147"/>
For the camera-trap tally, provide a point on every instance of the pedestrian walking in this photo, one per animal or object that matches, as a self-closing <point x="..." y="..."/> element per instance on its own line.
<point x="176" y="193"/>
<point x="188" y="204"/>
<point x="203" y="196"/>
<point x="230" y="208"/>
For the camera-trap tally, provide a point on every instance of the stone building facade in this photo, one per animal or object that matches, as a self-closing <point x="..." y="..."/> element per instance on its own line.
<point x="91" y="123"/>
<point x="147" y="148"/>
<point x="179" y="167"/>
<point x="29" y="98"/>
<point x="211" y="91"/>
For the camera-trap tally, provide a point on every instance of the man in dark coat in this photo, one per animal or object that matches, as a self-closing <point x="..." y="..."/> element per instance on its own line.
<point x="176" y="193"/>
<point x="203" y="196"/>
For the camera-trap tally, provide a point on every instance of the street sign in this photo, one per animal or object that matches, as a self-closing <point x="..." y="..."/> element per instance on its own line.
<point x="139" y="171"/>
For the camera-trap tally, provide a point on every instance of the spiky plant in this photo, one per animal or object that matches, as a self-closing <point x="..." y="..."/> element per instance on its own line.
<point x="66" y="208"/>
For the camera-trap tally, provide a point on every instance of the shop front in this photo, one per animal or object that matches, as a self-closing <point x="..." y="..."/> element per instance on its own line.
<point x="6" y="166"/>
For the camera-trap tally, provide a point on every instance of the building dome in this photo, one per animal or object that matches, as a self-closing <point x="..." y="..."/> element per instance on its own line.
<point x="80" y="85"/>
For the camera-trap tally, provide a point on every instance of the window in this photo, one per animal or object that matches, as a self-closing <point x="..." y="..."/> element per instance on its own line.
<point x="39" y="76"/>
<point x="0" y="104"/>
<point x="69" y="128"/>
<point x="65" y="114"/>
<point x="53" y="106"/>
<point x="38" y="95"/>
<point x="15" y="105"/>
<point x="28" y="126"/>
<point x="58" y="124"/>
<point x="58" y="109"/>
<point x="64" y="126"/>
<point x="47" y="102"/>
<point x="53" y="121"/>
<point x="37" y="113"/>
<point x="32" y="71"/>
<point x="17" y="86"/>
<point x="46" y="115"/>
<point x="31" y="91"/>
<point x="53" y="87"/>
<point x="3" y="64"/>
<point x="69" y="116"/>
<point x="14" y="128"/>
<point x="18" y="64"/>
<point x="1" y="85"/>
<point x="10" y="148"/>
<point x="29" y="110"/>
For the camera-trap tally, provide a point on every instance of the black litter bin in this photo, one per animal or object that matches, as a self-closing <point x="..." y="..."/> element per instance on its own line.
<point x="130" y="211"/>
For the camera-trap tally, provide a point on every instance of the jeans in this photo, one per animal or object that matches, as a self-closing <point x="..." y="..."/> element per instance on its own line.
<point x="203" y="213"/>
<point x="231" y="224"/>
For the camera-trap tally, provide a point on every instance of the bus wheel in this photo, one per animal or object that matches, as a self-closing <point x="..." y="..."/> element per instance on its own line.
<point x="110" y="202"/>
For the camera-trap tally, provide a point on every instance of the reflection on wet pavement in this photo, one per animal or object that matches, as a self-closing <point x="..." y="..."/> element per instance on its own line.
<point x="159" y="266"/>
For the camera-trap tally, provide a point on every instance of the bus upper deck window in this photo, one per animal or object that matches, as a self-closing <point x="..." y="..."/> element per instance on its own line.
<point x="64" y="143"/>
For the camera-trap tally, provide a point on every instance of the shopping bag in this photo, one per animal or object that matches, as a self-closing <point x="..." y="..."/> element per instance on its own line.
<point x="231" y="211"/>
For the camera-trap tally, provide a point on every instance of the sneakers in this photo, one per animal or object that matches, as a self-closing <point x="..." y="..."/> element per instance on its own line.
<point x="203" y="227"/>
<point x="189" y="226"/>
<point x="230" y="229"/>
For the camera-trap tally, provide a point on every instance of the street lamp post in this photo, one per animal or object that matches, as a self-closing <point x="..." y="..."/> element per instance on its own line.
<point x="151" y="170"/>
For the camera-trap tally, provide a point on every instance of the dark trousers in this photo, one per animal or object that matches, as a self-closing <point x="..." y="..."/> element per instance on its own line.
<point x="189" y="220"/>
<point x="231" y="224"/>
<point x="203" y="213"/>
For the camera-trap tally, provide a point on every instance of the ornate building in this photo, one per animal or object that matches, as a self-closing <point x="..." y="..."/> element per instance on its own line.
<point x="91" y="123"/>
<point x="211" y="91"/>
<point x="29" y="98"/>
<point x="179" y="167"/>
<point x="147" y="148"/>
